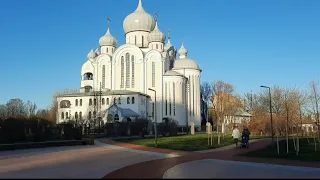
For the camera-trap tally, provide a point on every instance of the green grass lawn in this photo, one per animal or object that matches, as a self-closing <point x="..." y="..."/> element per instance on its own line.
<point x="184" y="143"/>
<point x="307" y="151"/>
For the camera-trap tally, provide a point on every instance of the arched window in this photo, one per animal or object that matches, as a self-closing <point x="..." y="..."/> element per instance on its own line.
<point x="122" y="71"/>
<point x="107" y="50"/>
<point x="80" y="102"/>
<point x="132" y="100"/>
<point x="132" y="71"/>
<point x="193" y="94"/>
<point x="170" y="104"/>
<point x="67" y="115"/>
<point x="76" y="102"/>
<point x="128" y="100"/>
<point x="103" y="76"/>
<point x="142" y="41"/>
<point x="80" y="115"/>
<point x="166" y="96"/>
<point x="153" y="75"/>
<point x="90" y="102"/>
<point x="89" y="115"/>
<point x="107" y="100"/>
<point x="62" y="115"/>
<point x="76" y="115"/>
<point x="127" y="70"/>
<point x="102" y="101"/>
<point x="174" y="98"/>
<point x="114" y="100"/>
<point x="156" y="46"/>
<point x="94" y="114"/>
<point x="161" y="46"/>
<point x="95" y="102"/>
<point x="135" y="40"/>
<point x="119" y="100"/>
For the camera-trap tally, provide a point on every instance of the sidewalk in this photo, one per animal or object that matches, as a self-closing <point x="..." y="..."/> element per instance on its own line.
<point x="156" y="168"/>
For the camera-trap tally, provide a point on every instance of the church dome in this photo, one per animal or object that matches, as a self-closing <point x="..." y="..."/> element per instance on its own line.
<point x="168" y="45"/>
<point x="185" y="63"/>
<point x="91" y="55"/>
<point x="108" y="39"/>
<point x="139" y="20"/>
<point x="156" y="35"/>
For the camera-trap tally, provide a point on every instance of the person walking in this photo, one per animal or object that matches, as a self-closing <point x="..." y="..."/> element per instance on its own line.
<point x="236" y="135"/>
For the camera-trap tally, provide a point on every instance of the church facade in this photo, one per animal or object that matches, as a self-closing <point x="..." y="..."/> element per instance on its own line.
<point x="139" y="79"/>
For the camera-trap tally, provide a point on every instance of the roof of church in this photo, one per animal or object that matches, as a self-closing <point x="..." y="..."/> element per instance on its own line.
<point x="104" y="93"/>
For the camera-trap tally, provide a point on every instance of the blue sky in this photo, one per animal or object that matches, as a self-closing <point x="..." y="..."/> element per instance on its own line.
<point x="43" y="43"/>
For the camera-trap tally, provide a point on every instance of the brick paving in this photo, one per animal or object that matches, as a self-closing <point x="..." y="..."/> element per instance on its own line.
<point x="156" y="168"/>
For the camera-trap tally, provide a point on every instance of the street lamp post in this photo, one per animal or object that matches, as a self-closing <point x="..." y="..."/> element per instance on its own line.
<point x="155" y="117"/>
<point x="272" y="135"/>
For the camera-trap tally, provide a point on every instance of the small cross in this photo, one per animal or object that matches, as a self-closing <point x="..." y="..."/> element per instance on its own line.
<point x="156" y="14"/>
<point x="109" y="20"/>
<point x="169" y="33"/>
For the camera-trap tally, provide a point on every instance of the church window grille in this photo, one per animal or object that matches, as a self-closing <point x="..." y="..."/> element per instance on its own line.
<point x="132" y="100"/>
<point x="142" y="41"/>
<point x="132" y="73"/>
<point x="170" y="106"/>
<point x="103" y="101"/>
<point x="128" y="100"/>
<point x="90" y="102"/>
<point x="80" y="102"/>
<point x="119" y="100"/>
<point x="76" y="102"/>
<point x="95" y="102"/>
<point x="108" y="101"/>
<point x="193" y="94"/>
<point x="174" y="98"/>
<point x="127" y="70"/>
<point x="80" y="115"/>
<point x="166" y="95"/>
<point x="62" y="115"/>
<point x="89" y="114"/>
<point x="122" y="71"/>
<point x="76" y="115"/>
<point x="103" y="76"/>
<point x="153" y="74"/>
<point x="67" y="115"/>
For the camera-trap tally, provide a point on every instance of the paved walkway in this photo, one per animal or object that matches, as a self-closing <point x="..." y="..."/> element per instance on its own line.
<point x="212" y="168"/>
<point x="157" y="168"/>
<point x="70" y="162"/>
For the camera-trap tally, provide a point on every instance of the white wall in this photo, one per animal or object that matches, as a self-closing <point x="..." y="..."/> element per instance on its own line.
<point x="176" y="94"/>
<point x="85" y="108"/>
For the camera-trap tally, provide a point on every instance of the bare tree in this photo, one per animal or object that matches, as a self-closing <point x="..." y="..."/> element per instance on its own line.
<point x="30" y="109"/>
<point x="206" y="91"/>
<point x="3" y="111"/>
<point x="15" y="107"/>
<point x="222" y="101"/>
<point x="314" y="96"/>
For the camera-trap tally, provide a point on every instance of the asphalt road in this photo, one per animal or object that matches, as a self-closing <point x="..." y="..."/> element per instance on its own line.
<point x="210" y="168"/>
<point x="70" y="162"/>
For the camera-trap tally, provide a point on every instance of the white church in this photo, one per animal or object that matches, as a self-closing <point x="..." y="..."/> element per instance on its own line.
<point x="139" y="79"/>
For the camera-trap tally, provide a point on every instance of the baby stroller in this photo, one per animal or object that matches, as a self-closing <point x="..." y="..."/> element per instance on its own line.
<point x="244" y="141"/>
